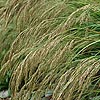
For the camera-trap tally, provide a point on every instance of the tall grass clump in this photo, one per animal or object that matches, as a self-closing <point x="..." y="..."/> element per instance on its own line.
<point x="50" y="45"/>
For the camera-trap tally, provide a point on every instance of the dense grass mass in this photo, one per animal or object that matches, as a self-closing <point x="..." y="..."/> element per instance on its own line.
<point x="50" y="45"/>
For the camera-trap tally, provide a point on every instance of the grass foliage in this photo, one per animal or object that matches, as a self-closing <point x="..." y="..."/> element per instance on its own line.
<point x="50" y="45"/>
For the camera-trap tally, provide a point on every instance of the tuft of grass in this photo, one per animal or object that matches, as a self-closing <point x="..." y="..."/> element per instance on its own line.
<point x="50" y="45"/>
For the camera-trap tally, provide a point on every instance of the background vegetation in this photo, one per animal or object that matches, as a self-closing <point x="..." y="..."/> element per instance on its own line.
<point x="50" y="45"/>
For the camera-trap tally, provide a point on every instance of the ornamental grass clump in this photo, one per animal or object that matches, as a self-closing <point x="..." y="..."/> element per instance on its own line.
<point x="51" y="45"/>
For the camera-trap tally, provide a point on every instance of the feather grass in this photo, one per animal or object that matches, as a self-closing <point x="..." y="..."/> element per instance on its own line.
<point x="55" y="47"/>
